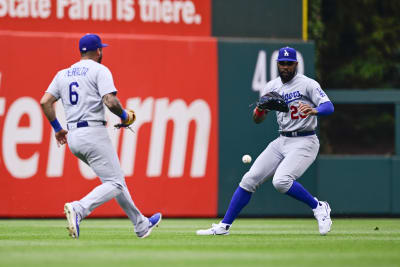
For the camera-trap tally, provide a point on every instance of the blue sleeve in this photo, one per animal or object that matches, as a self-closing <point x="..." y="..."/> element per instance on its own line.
<point x="325" y="108"/>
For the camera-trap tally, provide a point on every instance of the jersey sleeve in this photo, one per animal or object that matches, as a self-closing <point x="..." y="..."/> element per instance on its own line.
<point x="53" y="88"/>
<point x="316" y="94"/>
<point x="105" y="82"/>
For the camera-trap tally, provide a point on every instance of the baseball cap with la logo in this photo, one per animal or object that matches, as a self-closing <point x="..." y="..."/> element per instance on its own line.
<point x="287" y="54"/>
<point x="90" y="42"/>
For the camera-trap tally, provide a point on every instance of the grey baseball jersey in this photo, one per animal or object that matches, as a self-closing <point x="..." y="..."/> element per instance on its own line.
<point x="299" y="89"/>
<point x="287" y="158"/>
<point x="81" y="88"/>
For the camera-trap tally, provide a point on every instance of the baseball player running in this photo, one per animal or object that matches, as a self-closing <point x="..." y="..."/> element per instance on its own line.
<point x="83" y="89"/>
<point x="287" y="157"/>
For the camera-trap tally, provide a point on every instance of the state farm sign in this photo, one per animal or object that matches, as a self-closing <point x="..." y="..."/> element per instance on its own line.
<point x="171" y="160"/>
<point x="172" y="17"/>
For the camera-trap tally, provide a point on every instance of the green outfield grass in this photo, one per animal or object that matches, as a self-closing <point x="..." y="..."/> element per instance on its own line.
<point x="252" y="242"/>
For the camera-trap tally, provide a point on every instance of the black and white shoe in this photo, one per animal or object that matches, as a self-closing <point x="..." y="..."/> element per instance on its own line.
<point x="216" y="229"/>
<point x="323" y="215"/>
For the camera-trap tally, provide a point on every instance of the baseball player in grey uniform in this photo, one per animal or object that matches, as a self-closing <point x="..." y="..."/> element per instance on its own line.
<point x="287" y="157"/>
<point x="83" y="89"/>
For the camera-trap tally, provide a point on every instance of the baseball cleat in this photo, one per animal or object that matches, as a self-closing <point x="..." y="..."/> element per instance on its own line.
<point x="323" y="215"/>
<point x="216" y="229"/>
<point x="73" y="221"/>
<point x="154" y="222"/>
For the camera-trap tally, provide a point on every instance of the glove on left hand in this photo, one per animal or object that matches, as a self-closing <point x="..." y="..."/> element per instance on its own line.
<point x="272" y="101"/>
<point x="130" y="119"/>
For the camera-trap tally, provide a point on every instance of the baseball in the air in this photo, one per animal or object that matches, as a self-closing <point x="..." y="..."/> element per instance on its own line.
<point x="246" y="159"/>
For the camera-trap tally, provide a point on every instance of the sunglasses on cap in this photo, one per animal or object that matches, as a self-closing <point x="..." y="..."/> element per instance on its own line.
<point x="286" y="63"/>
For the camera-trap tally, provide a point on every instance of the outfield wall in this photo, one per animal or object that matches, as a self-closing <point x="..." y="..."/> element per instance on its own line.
<point x="192" y="97"/>
<point x="180" y="88"/>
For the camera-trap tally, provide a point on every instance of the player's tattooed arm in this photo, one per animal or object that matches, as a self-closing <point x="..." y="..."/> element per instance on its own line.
<point x="113" y="104"/>
<point x="47" y="102"/>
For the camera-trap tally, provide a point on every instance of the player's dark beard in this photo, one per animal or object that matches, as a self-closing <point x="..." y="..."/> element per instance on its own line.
<point x="100" y="58"/>
<point x="286" y="76"/>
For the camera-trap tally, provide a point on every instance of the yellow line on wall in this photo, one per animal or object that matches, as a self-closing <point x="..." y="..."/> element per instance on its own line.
<point x="305" y="20"/>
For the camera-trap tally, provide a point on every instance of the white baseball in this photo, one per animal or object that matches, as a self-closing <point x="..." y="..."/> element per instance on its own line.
<point x="246" y="159"/>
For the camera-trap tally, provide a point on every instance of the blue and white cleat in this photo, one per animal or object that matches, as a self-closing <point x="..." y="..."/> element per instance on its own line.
<point x="216" y="229"/>
<point x="73" y="221"/>
<point x="154" y="222"/>
<point x="323" y="215"/>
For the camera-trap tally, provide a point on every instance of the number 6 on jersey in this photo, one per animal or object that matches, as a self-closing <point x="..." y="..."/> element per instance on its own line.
<point x="73" y="95"/>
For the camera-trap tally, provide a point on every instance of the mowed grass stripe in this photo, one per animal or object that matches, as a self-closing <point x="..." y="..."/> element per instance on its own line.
<point x="253" y="242"/>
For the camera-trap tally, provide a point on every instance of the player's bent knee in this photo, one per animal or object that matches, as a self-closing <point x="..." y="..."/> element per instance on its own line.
<point x="251" y="181"/>
<point x="282" y="185"/>
<point x="248" y="187"/>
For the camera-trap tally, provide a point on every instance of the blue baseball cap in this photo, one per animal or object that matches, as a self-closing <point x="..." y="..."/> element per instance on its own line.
<point x="90" y="42"/>
<point x="287" y="54"/>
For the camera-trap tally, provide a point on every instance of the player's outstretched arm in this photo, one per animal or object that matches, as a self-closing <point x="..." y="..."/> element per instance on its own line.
<point x="307" y="110"/>
<point x="324" y="109"/>
<point x="113" y="104"/>
<point x="259" y="115"/>
<point x="47" y="104"/>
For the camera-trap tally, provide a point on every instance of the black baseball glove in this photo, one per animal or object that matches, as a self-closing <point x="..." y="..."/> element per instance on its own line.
<point x="272" y="101"/>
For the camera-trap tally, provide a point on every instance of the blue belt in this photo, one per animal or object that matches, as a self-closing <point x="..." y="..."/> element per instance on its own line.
<point x="81" y="124"/>
<point x="294" y="134"/>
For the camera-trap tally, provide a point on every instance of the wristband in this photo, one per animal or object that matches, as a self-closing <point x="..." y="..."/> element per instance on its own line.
<point x="124" y="115"/>
<point x="259" y="113"/>
<point x="56" y="125"/>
